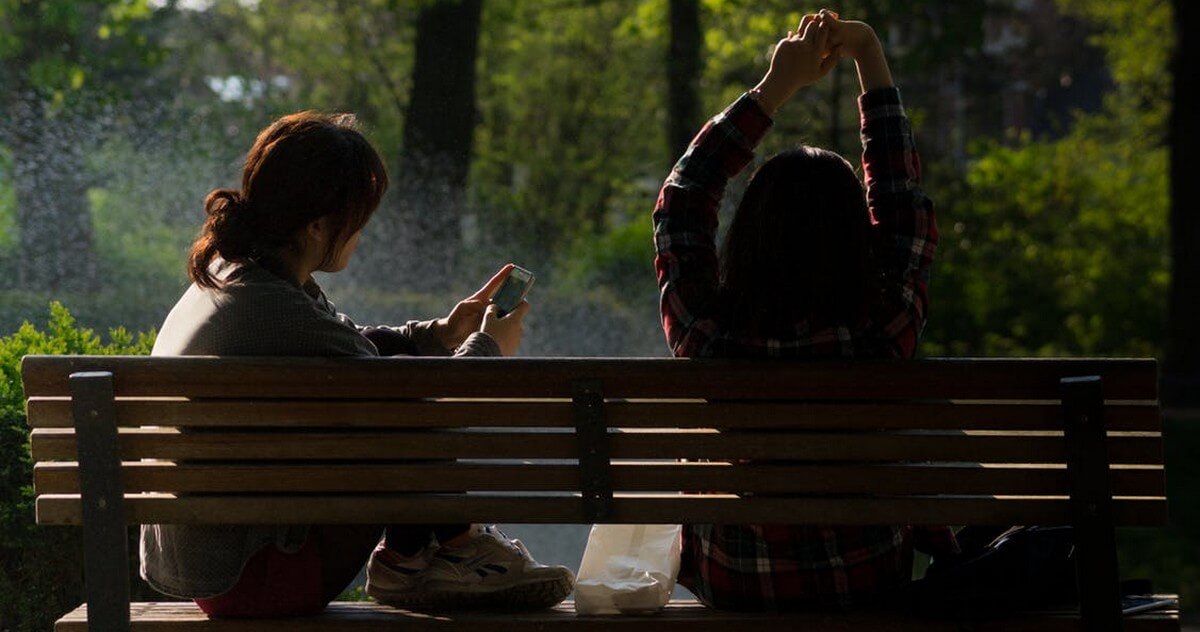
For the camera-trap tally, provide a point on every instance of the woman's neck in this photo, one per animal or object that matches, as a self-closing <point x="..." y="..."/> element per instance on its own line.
<point x="289" y="266"/>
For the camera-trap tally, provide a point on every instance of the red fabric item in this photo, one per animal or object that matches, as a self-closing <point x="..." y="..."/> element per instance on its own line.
<point x="273" y="584"/>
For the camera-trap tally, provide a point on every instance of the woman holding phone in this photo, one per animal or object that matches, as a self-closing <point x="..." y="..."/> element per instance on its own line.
<point x="813" y="266"/>
<point x="310" y="184"/>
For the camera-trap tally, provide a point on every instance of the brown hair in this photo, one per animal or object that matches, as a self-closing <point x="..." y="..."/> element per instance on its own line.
<point x="302" y="167"/>
<point x="799" y="246"/>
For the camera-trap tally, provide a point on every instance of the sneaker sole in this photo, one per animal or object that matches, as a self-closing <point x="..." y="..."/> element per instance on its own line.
<point x="521" y="597"/>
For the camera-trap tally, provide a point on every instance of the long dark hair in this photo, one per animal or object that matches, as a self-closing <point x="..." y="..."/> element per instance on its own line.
<point x="302" y="167"/>
<point x="799" y="246"/>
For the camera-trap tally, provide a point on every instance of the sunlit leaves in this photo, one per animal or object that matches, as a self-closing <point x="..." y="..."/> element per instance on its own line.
<point x="1060" y="246"/>
<point x="1138" y="36"/>
<point x="570" y="100"/>
<point x="69" y="37"/>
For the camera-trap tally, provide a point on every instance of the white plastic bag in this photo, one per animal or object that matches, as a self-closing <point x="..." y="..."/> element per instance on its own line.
<point x="628" y="568"/>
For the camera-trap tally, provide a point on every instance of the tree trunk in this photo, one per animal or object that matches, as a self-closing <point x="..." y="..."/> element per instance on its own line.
<point x="1181" y="379"/>
<point x="683" y="75"/>
<point x="424" y="238"/>
<point x="54" y="223"/>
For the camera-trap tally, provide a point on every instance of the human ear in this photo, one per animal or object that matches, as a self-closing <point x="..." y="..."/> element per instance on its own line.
<point x="318" y="230"/>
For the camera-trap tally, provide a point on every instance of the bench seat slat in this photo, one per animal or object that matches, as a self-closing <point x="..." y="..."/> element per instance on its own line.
<point x="681" y="615"/>
<point x="724" y="509"/>
<point x="47" y="412"/>
<point x="59" y="444"/>
<point x="626" y="377"/>
<point x="63" y="478"/>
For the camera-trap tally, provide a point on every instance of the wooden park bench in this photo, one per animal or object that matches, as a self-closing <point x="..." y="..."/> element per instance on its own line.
<point x="301" y="440"/>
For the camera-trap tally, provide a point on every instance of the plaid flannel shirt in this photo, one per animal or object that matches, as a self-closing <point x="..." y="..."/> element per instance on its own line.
<point x="761" y="567"/>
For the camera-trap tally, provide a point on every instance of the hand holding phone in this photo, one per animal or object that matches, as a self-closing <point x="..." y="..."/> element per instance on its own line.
<point x="509" y="300"/>
<point x="468" y="315"/>
<point x="513" y="290"/>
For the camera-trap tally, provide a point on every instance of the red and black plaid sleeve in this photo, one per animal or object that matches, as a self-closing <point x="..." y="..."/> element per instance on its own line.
<point x="685" y="223"/>
<point x="905" y="232"/>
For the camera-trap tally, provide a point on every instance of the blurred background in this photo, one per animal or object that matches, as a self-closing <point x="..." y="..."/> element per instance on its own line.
<point x="539" y="132"/>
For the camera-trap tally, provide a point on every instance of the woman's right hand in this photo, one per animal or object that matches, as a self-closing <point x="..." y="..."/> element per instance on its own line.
<point x="858" y="41"/>
<point x="505" y="330"/>
<point x="855" y="38"/>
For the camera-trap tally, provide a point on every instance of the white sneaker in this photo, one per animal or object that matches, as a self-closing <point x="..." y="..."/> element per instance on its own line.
<point x="391" y="576"/>
<point x="491" y="571"/>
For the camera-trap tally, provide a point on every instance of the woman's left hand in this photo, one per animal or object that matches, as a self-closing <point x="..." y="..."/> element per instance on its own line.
<point x="466" y="317"/>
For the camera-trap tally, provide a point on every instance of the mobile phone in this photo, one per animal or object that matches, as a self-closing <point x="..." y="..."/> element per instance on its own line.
<point x="1133" y="604"/>
<point x="513" y="290"/>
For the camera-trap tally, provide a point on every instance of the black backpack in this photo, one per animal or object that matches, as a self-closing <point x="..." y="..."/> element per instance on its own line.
<point x="1022" y="568"/>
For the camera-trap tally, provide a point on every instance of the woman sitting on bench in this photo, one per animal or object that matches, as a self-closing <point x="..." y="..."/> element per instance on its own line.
<point x="812" y="267"/>
<point x="309" y="186"/>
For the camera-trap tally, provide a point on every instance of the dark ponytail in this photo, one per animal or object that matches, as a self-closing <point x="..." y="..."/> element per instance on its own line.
<point x="223" y="235"/>
<point x="302" y="167"/>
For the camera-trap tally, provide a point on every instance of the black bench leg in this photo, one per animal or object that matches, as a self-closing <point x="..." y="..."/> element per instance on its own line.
<point x="105" y="539"/>
<point x="1091" y="504"/>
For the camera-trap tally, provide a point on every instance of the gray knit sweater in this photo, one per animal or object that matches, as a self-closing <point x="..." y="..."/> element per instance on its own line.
<point x="259" y="313"/>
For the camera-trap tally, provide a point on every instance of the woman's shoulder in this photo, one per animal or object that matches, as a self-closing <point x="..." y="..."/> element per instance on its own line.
<point x="256" y="313"/>
<point x="250" y="293"/>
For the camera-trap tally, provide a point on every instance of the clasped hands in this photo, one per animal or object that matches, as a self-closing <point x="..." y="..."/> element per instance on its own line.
<point x="808" y="53"/>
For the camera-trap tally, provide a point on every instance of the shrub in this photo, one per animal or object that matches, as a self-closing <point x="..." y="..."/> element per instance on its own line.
<point x="40" y="567"/>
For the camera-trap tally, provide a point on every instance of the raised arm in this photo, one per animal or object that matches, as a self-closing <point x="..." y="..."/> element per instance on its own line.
<point x="906" y="233"/>
<point x="685" y="216"/>
<point x="858" y="41"/>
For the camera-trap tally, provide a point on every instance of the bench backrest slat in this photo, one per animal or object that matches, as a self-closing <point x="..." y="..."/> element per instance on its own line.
<point x="721" y="509"/>
<point x="51" y="412"/>
<point x="150" y="443"/>
<point x="888" y="479"/>
<point x="387" y="378"/>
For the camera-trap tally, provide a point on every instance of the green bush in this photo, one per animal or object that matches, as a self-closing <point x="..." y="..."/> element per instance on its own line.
<point x="622" y="259"/>
<point x="40" y="567"/>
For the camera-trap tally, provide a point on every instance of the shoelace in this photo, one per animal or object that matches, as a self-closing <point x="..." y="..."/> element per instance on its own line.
<point x="511" y="543"/>
<point x="523" y="550"/>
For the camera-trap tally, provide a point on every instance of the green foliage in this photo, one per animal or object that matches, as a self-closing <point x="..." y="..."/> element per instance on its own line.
<point x="560" y="149"/>
<point x="39" y="566"/>
<point x="618" y="259"/>
<point x="357" y="592"/>
<point x="1137" y="36"/>
<point x="134" y="252"/>
<point x="1059" y="246"/>
<point x="330" y="54"/>
<point x="8" y="209"/>
<point x="1055" y="248"/>
<point x="58" y="46"/>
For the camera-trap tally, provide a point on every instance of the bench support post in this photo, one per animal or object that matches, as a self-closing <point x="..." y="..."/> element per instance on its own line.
<point x="105" y="538"/>
<point x="591" y="429"/>
<point x="1096" y="570"/>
